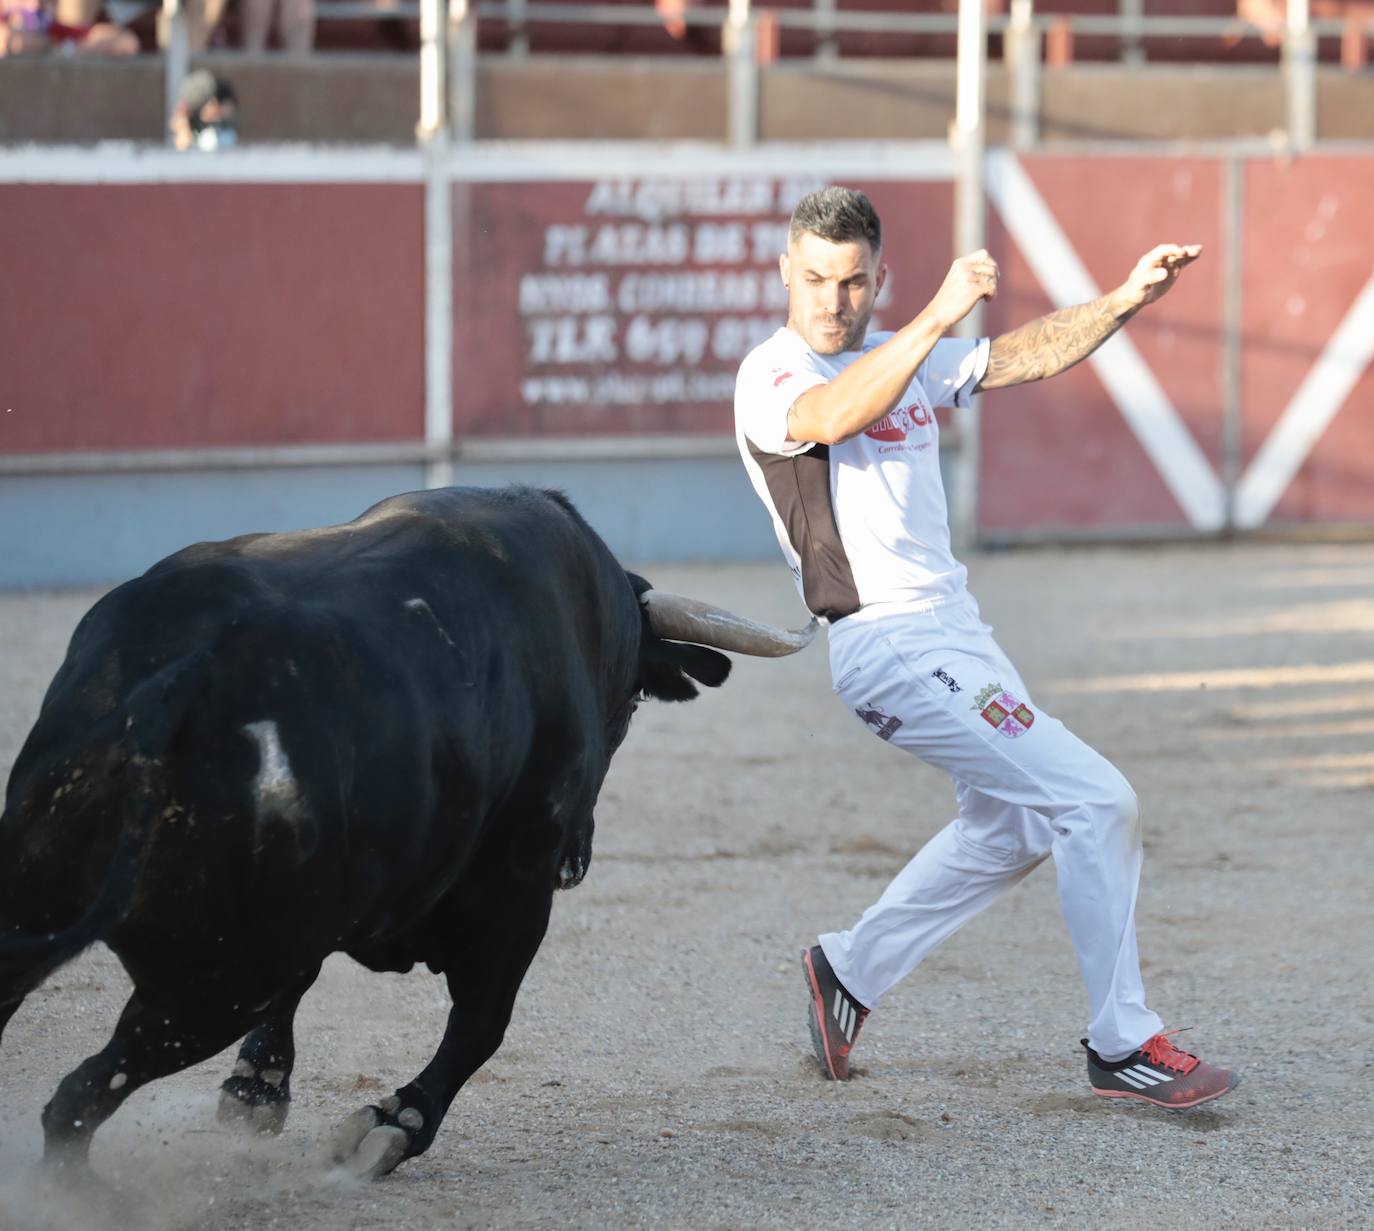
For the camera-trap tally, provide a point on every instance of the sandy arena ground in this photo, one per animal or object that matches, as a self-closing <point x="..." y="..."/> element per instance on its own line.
<point x="658" y="1071"/>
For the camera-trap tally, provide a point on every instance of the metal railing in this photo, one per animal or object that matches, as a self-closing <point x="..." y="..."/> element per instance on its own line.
<point x="750" y="36"/>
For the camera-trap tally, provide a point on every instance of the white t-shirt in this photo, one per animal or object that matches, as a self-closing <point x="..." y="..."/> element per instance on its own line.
<point x="863" y="522"/>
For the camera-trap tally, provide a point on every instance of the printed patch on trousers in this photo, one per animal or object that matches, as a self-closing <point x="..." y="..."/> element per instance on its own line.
<point x="946" y="679"/>
<point x="884" y="725"/>
<point x="1010" y="715"/>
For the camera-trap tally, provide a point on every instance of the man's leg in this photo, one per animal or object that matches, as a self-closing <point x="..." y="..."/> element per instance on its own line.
<point x="951" y="697"/>
<point x="964" y="868"/>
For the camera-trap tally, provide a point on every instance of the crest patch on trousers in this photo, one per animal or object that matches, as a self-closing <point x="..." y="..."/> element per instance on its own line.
<point x="884" y="724"/>
<point x="1010" y="715"/>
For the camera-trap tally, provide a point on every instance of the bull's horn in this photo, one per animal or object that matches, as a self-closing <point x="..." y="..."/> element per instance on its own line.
<point x="676" y="618"/>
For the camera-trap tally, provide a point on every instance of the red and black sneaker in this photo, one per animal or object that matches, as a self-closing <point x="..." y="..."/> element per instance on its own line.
<point x="835" y="1015"/>
<point x="1158" y="1072"/>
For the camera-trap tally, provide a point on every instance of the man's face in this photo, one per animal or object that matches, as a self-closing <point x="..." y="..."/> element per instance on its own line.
<point x="831" y="290"/>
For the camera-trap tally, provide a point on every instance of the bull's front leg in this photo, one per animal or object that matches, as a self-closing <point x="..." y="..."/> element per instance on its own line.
<point x="496" y="924"/>
<point x="258" y="1092"/>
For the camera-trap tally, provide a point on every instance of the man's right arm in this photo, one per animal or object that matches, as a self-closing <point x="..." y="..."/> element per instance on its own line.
<point x="873" y="384"/>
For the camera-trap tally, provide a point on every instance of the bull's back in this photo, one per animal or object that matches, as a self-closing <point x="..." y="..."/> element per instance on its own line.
<point x="364" y="697"/>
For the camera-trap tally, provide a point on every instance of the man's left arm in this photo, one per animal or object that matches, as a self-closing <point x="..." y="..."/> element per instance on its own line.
<point x="1050" y="344"/>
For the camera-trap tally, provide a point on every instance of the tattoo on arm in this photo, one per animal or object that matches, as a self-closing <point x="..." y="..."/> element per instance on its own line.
<point x="1050" y="344"/>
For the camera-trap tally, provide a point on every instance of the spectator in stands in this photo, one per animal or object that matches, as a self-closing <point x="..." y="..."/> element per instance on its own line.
<point x="206" y="116"/>
<point x="295" y="23"/>
<point x="35" y="27"/>
<point x="202" y="18"/>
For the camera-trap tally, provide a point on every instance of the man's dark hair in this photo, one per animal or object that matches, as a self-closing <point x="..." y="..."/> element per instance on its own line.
<point x="839" y="215"/>
<point x="200" y="87"/>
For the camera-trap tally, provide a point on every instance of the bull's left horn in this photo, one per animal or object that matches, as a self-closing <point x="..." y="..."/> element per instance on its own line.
<point x="688" y="619"/>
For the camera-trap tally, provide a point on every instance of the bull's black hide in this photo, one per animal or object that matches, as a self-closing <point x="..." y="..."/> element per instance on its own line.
<point x="384" y="738"/>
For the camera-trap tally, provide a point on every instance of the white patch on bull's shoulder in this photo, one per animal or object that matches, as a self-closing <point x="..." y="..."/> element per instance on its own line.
<point x="278" y="793"/>
<point x="418" y="606"/>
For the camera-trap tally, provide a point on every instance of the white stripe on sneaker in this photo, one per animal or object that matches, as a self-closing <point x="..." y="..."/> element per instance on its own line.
<point x="1149" y="1075"/>
<point x="1139" y="1076"/>
<point x="1148" y="1072"/>
<point x="1131" y="1081"/>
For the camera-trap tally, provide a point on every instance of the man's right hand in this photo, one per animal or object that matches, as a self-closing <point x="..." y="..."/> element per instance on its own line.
<point x="970" y="279"/>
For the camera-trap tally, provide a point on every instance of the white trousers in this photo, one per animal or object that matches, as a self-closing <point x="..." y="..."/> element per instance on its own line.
<point x="936" y="684"/>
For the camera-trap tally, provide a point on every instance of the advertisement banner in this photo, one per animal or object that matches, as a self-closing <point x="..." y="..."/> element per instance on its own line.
<point x="624" y="307"/>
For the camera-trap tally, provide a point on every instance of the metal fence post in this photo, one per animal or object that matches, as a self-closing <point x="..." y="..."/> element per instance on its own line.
<point x="438" y="315"/>
<point x="176" y="61"/>
<point x="1023" y="59"/>
<point x="970" y="232"/>
<point x="741" y="45"/>
<point x="433" y="134"/>
<point x="1132" y="46"/>
<point x="433" y="123"/>
<point x="462" y="44"/>
<point x="739" y="40"/>
<point x="518" y="46"/>
<point x="1233" y="306"/>
<point x="826" y="48"/>
<point x="1300" y="73"/>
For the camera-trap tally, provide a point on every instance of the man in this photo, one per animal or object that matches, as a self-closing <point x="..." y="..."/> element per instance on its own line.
<point x="206" y="116"/>
<point x="837" y="430"/>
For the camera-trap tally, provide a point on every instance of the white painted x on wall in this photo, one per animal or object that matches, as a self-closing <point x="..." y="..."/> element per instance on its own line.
<point x="1143" y="403"/>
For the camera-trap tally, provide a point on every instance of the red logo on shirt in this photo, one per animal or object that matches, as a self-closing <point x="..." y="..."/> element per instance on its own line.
<point x="779" y="376"/>
<point x="900" y="423"/>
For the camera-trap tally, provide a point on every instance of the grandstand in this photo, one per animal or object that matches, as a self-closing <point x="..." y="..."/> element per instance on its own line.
<point x="555" y="69"/>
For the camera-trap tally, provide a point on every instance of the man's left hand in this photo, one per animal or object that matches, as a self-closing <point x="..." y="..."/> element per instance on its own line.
<point x="1153" y="275"/>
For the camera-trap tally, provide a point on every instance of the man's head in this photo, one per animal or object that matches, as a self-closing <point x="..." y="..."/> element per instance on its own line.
<point x="833" y="269"/>
<point x="207" y="113"/>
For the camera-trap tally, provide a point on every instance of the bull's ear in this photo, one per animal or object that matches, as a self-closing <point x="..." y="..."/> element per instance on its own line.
<point x="710" y="667"/>
<point x="665" y="665"/>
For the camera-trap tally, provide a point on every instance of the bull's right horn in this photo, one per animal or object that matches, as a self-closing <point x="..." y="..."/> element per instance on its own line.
<point x="677" y="618"/>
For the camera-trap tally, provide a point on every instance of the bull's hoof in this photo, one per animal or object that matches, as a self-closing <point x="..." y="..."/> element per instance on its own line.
<point x="371" y="1142"/>
<point x="256" y="1102"/>
<point x="75" y="1196"/>
<point x="266" y="1119"/>
<point x="378" y="1152"/>
<point x="69" y="1161"/>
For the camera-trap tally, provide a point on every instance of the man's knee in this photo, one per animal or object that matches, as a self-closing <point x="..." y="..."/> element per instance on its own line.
<point x="1117" y="804"/>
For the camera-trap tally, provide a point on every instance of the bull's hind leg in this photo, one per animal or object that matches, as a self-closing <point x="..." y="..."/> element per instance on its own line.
<point x="153" y="1038"/>
<point x="495" y="924"/>
<point x="258" y="1092"/>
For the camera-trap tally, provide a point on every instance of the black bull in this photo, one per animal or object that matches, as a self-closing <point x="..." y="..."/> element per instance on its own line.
<point x="384" y="738"/>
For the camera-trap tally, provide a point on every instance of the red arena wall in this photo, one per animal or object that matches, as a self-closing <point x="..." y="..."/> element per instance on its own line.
<point x="180" y="315"/>
<point x="174" y="315"/>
